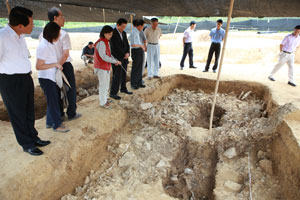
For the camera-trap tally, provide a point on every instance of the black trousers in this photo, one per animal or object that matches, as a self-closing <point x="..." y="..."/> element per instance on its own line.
<point x="119" y="78"/>
<point x="137" y="67"/>
<point x="188" y="49"/>
<point x="68" y="70"/>
<point x="214" y="48"/>
<point x="51" y="91"/>
<point x="17" y="92"/>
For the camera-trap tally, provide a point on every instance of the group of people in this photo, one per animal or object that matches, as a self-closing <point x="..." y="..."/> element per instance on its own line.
<point x="53" y="64"/>
<point x="113" y="50"/>
<point x="217" y="36"/>
<point x="287" y="49"/>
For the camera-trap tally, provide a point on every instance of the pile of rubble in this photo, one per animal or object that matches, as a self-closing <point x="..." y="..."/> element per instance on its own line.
<point x="166" y="152"/>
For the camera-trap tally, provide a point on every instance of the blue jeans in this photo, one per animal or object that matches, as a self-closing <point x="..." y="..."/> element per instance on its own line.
<point x="53" y="102"/>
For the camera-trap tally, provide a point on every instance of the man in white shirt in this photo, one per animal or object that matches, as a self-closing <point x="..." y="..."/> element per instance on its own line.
<point x="62" y="48"/>
<point x="187" y="43"/>
<point x="288" y="47"/>
<point x="153" y="34"/>
<point x="16" y="85"/>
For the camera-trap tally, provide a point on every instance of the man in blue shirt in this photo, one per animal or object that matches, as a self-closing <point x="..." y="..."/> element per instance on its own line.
<point x="137" y="51"/>
<point x="217" y="36"/>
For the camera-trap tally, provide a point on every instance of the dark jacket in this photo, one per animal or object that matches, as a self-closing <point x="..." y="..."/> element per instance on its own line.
<point x="118" y="46"/>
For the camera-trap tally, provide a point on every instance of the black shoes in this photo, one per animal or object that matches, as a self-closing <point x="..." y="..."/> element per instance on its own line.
<point x="142" y="86"/>
<point x="134" y="87"/>
<point x="193" y="67"/>
<point x="292" y="84"/>
<point x="271" y="78"/>
<point x="114" y="96"/>
<point x="181" y="68"/>
<point x="157" y="77"/>
<point x="34" y="151"/>
<point x="127" y="92"/>
<point x="42" y="143"/>
<point x="205" y="70"/>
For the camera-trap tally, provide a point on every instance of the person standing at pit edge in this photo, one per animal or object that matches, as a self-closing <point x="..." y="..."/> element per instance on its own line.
<point x="153" y="33"/>
<point x="120" y="50"/>
<point x="16" y="84"/>
<point x="187" y="45"/>
<point x="137" y="51"/>
<point x="288" y="48"/>
<point x="62" y="48"/>
<point x="217" y="36"/>
<point x="102" y="64"/>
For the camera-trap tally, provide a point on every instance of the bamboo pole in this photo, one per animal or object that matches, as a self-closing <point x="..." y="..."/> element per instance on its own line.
<point x="7" y="6"/>
<point x="220" y="68"/>
<point x="131" y="19"/>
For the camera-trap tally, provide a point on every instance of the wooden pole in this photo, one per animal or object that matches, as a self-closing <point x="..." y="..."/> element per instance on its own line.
<point x="8" y="6"/>
<point x="131" y="19"/>
<point x="220" y="68"/>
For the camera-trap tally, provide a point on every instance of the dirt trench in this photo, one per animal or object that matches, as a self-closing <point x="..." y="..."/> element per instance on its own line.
<point x="170" y="151"/>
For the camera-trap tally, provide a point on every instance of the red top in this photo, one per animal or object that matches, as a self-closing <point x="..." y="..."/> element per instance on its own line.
<point x="98" y="61"/>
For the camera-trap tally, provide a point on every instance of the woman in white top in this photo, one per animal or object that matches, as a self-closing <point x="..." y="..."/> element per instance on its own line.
<point x="47" y="65"/>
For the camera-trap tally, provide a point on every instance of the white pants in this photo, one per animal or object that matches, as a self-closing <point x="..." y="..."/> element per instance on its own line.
<point x="153" y="57"/>
<point x="285" y="58"/>
<point x="104" y="78"/>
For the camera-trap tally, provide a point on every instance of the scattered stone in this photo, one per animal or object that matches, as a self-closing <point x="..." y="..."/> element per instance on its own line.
<point x="231" y="186"/>
<point x="230" y="153"/>
<point x="161" y="163"/>
<point x="129" y="158"/>
<point x="260" y="155"/>
<point x="188" y="171"/>
<point x="180" y="121"/>
<point x="146" y="106"/>
<point x="174" y="178"/>
<point x="246" y="95"/>
<point x="266" y="166"/>
<point x="87" y="180"/>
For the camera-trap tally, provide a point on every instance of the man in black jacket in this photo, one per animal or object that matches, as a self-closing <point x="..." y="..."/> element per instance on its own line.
<point x="119" y="50"/>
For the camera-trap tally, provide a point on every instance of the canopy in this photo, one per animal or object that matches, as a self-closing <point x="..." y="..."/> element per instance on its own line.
<point x="111" y="10"/>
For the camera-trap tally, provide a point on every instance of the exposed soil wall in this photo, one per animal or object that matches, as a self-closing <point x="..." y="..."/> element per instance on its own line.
<point x="286" y="156"/>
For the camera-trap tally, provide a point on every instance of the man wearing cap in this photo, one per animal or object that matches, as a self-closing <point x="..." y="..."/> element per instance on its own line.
<point x="217" y="36"/>
<point x="88" y="53"/>
<point x="187" y="45"/>
<point x="153" y="33"/>
<point x="16" y="84"/>
<point x="288" y="48"/>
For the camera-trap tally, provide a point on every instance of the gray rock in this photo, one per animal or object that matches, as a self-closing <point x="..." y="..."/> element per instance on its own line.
<point x="146" y="106"/>
<point x="230" y="153"/>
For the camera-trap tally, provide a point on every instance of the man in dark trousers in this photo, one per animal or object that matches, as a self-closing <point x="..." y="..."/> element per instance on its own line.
<point x="137" y="51"/>
<point x="16" y="85"/>
<point x="120" y="50"/>
<point x="187" y="45"/>
<point x="217" y="36"/>
<point x="62" y="48"/>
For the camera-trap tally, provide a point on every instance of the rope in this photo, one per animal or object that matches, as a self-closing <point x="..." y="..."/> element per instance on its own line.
<point x="249" y="174"/>
<point x="220" y="68"/>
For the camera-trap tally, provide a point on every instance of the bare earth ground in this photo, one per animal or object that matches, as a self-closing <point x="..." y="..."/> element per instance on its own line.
<point x="249" y="57"/>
